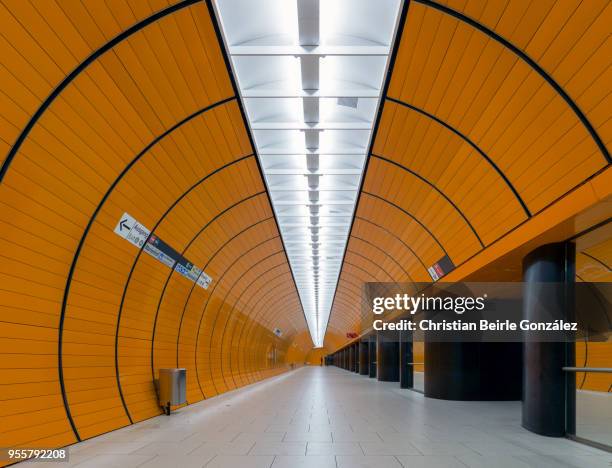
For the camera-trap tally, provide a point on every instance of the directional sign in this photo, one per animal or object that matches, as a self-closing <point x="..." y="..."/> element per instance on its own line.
<point x="125" y="225"/>
<point x="204" y="280"/>
<point x="131" y="230"/>
<point x="433" y="273"/>
<point x="136" y="233"/>
<point x="442" y="267"/>
<point x="160" y="250"/>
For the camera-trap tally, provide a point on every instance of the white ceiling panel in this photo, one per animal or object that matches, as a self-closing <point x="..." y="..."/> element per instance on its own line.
<point x="310" y="75"/>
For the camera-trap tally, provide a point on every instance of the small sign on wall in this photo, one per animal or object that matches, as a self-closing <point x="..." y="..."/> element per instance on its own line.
<point x="440" y="268"/>
<point x="132" y="231"/>
<point x="137" y="234"/>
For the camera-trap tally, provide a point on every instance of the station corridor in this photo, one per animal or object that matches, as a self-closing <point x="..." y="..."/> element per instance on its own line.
<point x="306" y="233"/>
<point x="318" y="417"/>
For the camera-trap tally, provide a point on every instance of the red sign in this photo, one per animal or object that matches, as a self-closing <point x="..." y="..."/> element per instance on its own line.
<point x="351" y="335"/>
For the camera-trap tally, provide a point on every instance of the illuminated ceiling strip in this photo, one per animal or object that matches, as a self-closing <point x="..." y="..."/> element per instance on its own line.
<point x="310" y="74"/>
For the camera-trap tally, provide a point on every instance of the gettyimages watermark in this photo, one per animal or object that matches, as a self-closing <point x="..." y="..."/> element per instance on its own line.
<point x="497" y="312"/>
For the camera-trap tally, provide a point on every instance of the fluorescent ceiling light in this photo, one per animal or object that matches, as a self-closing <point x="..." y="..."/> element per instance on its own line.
<point x="310" y="74"/>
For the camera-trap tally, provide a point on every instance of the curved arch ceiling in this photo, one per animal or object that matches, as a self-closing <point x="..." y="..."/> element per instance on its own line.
<point x="310" y="74"/>
<point x="112" y="108"/>
<point x="493" y="111"/>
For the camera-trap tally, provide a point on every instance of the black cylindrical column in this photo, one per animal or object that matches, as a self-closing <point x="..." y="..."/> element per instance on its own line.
<point x="473" y="371"/>
<point x="406" y="360"/>
<point x="363" y="358"/>
<point x="548" y="392"/>
<point x="387" y="357"/>
<point x="372" y="356"/>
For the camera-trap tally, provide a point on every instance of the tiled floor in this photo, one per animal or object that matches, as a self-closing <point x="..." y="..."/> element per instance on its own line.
<point x="594" y="416"/>
<point x="327" y="417"/>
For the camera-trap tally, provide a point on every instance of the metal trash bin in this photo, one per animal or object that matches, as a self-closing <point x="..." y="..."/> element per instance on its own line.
<point x="172" y="388"/>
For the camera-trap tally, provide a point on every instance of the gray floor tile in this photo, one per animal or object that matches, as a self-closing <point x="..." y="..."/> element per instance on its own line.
<point x="278" y="448"/>
<point x="333" y="448"/>
<point x="388" y="448"/>
<point x="430" y="461"/>
<point x="239" y="461"/>
<point x="304" y="461"/>
<point x="380" y="461"/>
<point x="321" y="417"/>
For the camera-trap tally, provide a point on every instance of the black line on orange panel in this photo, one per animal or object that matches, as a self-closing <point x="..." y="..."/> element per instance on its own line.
<point x="351" y="283"/>
<point x="472" y="144"/>
<point x="79" y="248"/>
<point x="346" y="283"/>
<point x="216" y="315"/>
<point x="529" y="61"/>
<point x="433" y="186"/>
<point x="263" y="330"/>
<point x="258" y="311"/>
<point x="373" y="263"/>
<point x="596" y="260"/>
<point x="247" y="287"/>
<point x="368" y="273"/>
<point x="348" y="300"/>
<point x="361" y="218"/>
<point x="228" y="65"/>
<point x="289" y="300"/>
<point x="140" y="250"/>
<point x="349" y="303"/>
<point x="518" y="226"/>
<point x="590" y="229"/>
<point x="204" y="310"/>
<point x="261" y="298"/>
<point x="254" y="322"/>
<point x="410" y="215"/>
<point x="350" y="306"/>
<point x="75" y="73"/>
<point x="266" y="303"/>
<point x="231" y="313"/>
<point x="385" y="254"/>
<point x="398" y="36"/>
<point x="212" y="257"/>
<point x="269" y="302"/>
<point x="161" y="297"/>
<point x="349" y="294"/>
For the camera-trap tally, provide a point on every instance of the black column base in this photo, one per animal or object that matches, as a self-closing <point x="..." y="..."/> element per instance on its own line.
<point x="363" y="358"/>
<point x="406" y="366"/>
<point x="387" y="357"/>
<point x="473" y="371"/>
<point x="372" y="357"/>
<point x="548" y="393"/>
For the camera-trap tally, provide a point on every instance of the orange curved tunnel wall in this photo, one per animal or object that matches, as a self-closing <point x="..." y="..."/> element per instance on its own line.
<point x="109" y="108"/>
<point x="127" y="107"/>
<point x="495" y="113"/>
